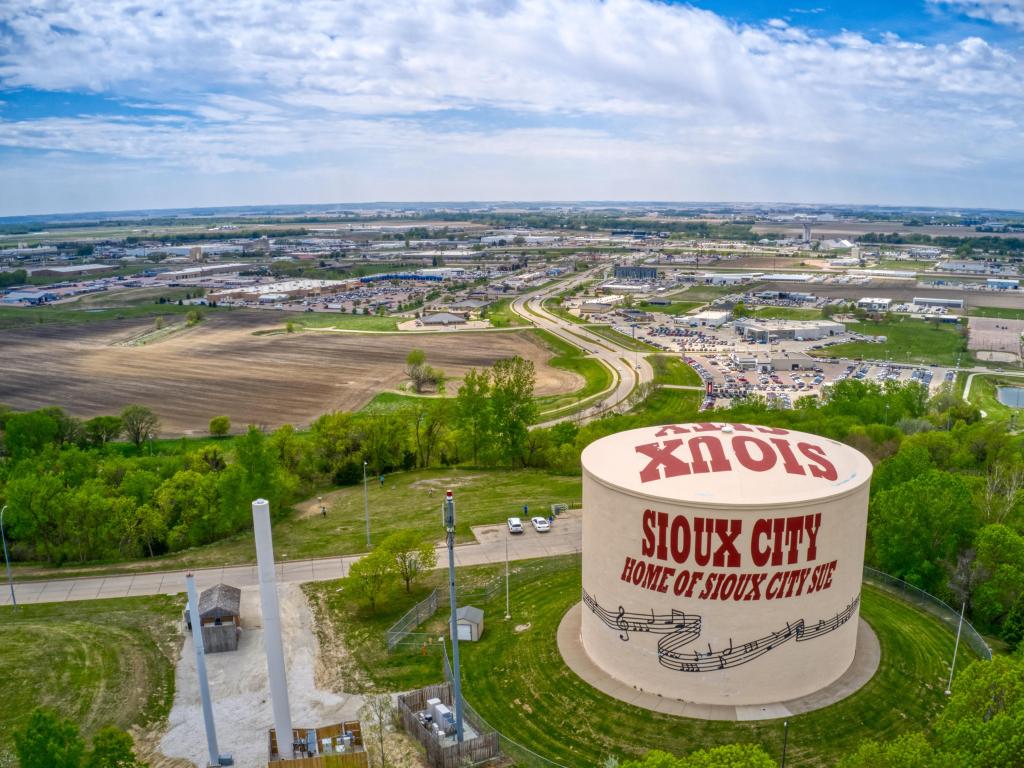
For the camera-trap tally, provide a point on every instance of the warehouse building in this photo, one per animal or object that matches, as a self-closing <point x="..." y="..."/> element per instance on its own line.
<point x="764" y="331"/>
<point x="926" y="301"/>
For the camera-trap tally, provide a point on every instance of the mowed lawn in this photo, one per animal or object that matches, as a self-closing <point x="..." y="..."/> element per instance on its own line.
<point x="669" y="369"/>
<point x="597" y="378"/>
<point x="342" y="321"/>
<point x="907" y="341"/>
<point x="788" y="313"/>
<point x="102" y="662"/>
<point x="518" y="682"/>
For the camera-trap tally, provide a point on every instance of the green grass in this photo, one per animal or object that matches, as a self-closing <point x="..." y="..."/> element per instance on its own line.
<point x="343" y="321"/>
<point x="386" y="402"/>
<point x="519" y="683"/>
<point x="408" y="500"/>
<point x="983" y="395"/>
<point x="97" y="662"/>
<point x="621" y="339"/>
<point x="669" y="369"/>
<point x="501" y="315"/>
<point x="1003" y="313"/>
<point x="907" y="340"/>
<point x="554" y="306"/>
<point x="15" y="317"/>
<point x="787" y="313"/>
<point x="675" y="308"/>
<point x="568" y="357"/>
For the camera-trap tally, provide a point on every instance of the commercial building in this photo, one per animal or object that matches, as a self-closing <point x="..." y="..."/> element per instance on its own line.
<point x="443" y="318"/>
<point x="710" y="317"/>
<point x="764" y="331"/>
<point x="190" y="273"/>
<point x="636" y="273"/>
<point x="603" y="304"/>
<point x="926" y="301"/>
<point x="873" y="304"/>
<point x="722" y="563"/>
<point x="1003" y="284"/>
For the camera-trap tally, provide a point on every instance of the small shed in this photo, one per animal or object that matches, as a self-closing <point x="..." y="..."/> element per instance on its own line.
<point x="219" y="616"/>
<point x="470" y="622"/>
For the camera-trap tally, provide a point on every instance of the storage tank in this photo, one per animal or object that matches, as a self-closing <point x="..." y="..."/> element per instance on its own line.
<point x="722" y="563"/>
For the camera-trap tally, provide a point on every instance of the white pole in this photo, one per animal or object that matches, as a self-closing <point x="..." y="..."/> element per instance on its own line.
<point x="508" y="613"/>
<point x="272" y="628"/>
<point x="956" y="647"/>
<point x="204" y="684"/>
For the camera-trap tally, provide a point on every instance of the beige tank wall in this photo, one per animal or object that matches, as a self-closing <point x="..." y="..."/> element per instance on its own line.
<point x="613" y="530"/>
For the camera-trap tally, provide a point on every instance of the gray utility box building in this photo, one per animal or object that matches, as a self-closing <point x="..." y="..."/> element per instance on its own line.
<point x="219" y="617"/>
<point x="470" y="621"/>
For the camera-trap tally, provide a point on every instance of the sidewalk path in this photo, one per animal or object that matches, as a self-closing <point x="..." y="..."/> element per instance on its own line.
<point x="564" y="538"/>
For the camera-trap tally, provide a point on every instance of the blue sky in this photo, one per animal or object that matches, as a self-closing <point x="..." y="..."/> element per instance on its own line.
<point x="115" y="104"/>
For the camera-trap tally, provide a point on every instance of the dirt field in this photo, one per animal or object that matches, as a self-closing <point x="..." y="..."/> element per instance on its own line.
<point x="220" y="367"/>
<point x="857" y="228"/>
<point x="996" y="335"/>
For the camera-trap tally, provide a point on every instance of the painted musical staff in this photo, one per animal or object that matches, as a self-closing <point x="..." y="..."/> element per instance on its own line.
<point x="679" y="629"/>
<point x="824" y="626"/>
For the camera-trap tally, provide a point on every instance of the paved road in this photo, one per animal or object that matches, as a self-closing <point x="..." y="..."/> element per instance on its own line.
<point x="628" y="368"/>
<point x="564" y="538"/>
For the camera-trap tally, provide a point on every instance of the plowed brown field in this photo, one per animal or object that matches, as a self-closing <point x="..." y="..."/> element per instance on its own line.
<point x="221" y="367"/>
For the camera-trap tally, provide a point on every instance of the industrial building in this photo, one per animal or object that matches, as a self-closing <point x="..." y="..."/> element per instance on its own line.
<point x="1002" y="284"/>
<point x="70" y="270"/>
<point x="722" y="563"/>
<point x="603" y="304"/>
<point x="711" y="318"/>
<point x="205" y="270"/>
<point x="764" y="331"/>
<point x="286" y="290"/>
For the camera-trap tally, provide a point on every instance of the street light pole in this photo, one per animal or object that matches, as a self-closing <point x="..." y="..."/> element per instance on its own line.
<point x="508" y="613"/>
<point x="956" y="647"/>
<point x="785" y="740"/>
<point x="7" y="559"/>
<point x="366" y="508"/>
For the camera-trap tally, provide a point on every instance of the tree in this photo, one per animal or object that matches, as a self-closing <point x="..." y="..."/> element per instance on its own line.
<point x="420" y="374"/>
<point x="140" y="424"/>
<point x="473" y="410"/>
<point x="112" y="748"/>
<point x="377" y="712"/>
<point x="411" y="554"/>
<point x="429" y="421"/>
<point x="998" y="573"/>
<point x="220" y="426"/>
<point x="920" y="526"/>
<point x="728" y="756"/>
<point x="48" y="741"/>
<point x="911" y="750"/>
<point x="102" y="429"/>
<point x="740" y="310"/>
<point x="982" y="726"/>
<point x="512" y="406"/>
<point x="372" y="574"/>
<point x="26" y="434"/>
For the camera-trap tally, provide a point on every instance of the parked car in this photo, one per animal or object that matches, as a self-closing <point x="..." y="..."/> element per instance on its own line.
<point x="540" y="524"/>
<point x="515" y="525"/>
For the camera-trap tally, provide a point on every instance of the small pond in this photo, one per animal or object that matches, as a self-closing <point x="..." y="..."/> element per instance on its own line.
<point x="1011" y="396"/>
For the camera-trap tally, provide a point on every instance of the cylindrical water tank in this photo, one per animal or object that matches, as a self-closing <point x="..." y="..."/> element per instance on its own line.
<point x="722" y="563"/>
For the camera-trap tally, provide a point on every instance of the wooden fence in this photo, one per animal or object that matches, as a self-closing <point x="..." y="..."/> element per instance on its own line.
<point x="471" y="751"/>
<point x="347" y="760"/>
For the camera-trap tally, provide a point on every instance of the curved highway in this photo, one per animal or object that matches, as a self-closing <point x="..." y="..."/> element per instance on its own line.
<point x="626" y="374"/>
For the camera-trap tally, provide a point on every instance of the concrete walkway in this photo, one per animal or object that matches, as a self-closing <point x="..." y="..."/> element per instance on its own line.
<point x="865" y="664"/>
<point x="564" y="538"/>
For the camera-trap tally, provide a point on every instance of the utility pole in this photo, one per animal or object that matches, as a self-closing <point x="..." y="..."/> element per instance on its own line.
<point x="366" y="508"/>
<point x="449" y="525"/>
<point x="956" y="647"/>
<point x="7" y="559"/>
<point x="204" y="685"/>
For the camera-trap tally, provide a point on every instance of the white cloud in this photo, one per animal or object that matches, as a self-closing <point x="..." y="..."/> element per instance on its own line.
<point x="1006" y="12"/>
<point x="670" y="93"/>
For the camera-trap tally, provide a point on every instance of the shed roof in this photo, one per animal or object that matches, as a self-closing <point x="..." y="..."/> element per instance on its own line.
<point x="443" y="318"/>
<point x="219" y="601"/>
<point x="469" y="613"/>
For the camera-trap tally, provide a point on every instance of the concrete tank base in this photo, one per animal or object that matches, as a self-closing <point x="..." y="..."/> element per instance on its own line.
<point x="865" y="663"/>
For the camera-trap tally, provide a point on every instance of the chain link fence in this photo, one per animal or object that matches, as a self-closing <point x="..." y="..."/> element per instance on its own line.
<point x="931" y="604"/>
<point x="398" y="632"/>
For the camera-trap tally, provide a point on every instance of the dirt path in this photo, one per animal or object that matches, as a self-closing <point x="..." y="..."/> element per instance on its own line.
<point x="238" y="684"/>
